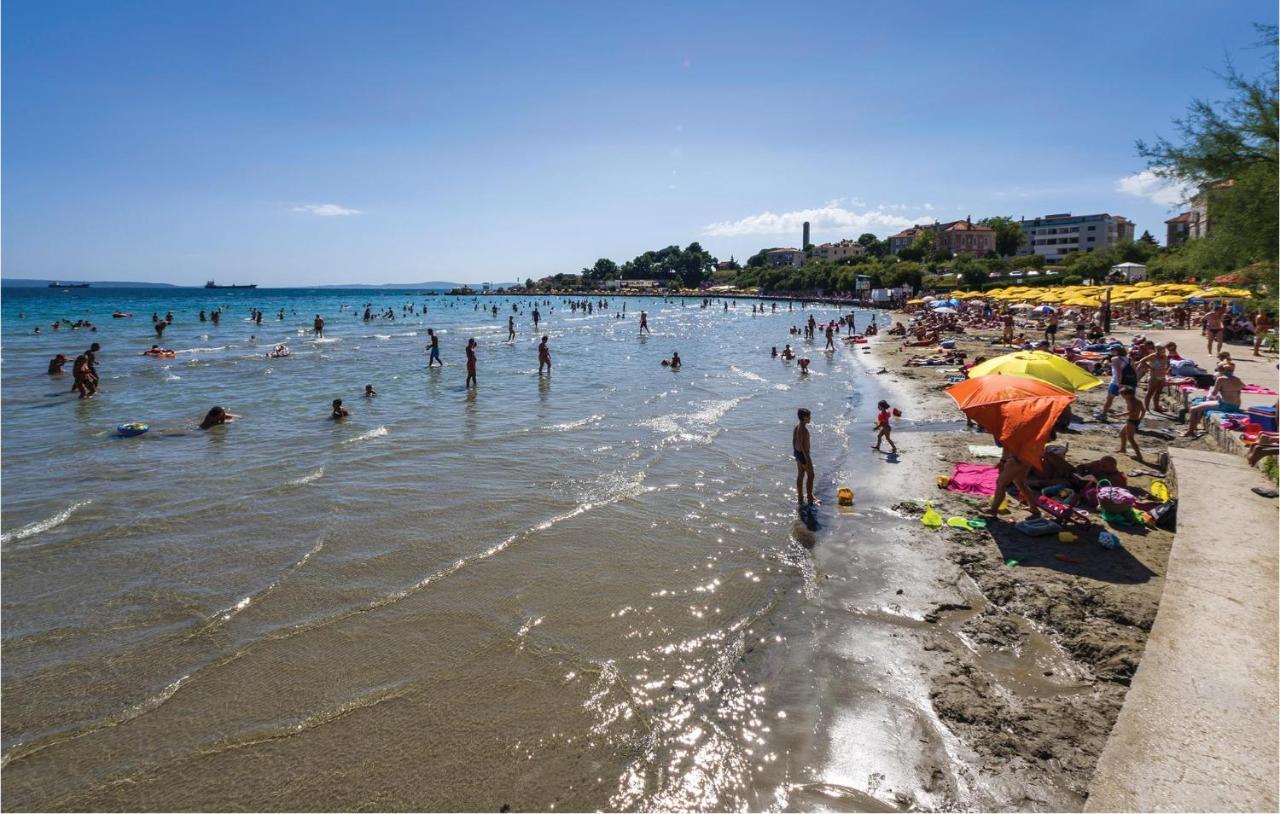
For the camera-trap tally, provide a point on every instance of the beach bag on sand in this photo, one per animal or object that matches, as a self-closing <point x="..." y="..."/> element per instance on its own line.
<point x="1166" y="515"/>
<point x="1115" y="499"/>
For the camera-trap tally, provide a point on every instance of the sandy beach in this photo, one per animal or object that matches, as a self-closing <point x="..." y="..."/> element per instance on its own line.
<point x="1037" y="639"/>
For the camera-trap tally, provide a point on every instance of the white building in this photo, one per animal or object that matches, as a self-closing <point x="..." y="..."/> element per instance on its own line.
<point x="1053" y="237"/>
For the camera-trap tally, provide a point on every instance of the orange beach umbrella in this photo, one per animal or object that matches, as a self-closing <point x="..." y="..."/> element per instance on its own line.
<point x="1018" y="410"/>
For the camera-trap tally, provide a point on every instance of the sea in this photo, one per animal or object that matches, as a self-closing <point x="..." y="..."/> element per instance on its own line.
<point x="587" y="590"/>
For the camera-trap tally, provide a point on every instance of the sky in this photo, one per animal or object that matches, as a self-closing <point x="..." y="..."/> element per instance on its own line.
<point x="297" y="143"/>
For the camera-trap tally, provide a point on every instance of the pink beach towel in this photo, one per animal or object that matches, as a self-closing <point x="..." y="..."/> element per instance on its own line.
<point x="1259" y="390"/>
<point x="974" y="479"/>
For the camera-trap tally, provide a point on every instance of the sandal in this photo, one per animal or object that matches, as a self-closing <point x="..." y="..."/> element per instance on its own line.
<point x="1265" y="492"/>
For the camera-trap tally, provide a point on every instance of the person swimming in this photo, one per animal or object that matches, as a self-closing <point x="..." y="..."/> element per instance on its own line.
<point x="56" y="363"/>
<point x="216" y="416"/>
<point x="339" y="412"/>
<point x="369" y="392"/>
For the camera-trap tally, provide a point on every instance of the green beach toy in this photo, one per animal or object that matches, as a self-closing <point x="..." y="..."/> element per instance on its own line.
<point x="977" y="523"/>
<point x="931" y="518"/>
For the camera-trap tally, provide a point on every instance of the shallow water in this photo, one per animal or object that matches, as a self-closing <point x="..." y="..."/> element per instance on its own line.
<point x="586" y="590"/>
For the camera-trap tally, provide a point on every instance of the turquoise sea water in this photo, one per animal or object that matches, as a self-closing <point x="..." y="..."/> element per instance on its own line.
<point x="584" y="590"/>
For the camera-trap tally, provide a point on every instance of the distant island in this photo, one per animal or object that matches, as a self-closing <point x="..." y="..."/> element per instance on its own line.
<point x="23" y="282"/>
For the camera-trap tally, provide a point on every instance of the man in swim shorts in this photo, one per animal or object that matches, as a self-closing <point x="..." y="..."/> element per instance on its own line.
<point x="1213" y="326"/>
<point x="434" y="347"/>
<point x="544" y="356"/>
<point x="804" y="458"/>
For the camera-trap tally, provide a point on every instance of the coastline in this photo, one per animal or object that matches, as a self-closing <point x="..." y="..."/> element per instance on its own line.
<point x="1030" y="664"/>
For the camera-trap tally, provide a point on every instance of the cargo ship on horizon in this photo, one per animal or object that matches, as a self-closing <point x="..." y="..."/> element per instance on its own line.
<point x="212" y="284"/>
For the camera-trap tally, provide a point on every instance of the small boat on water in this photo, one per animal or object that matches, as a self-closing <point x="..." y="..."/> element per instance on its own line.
<point x="212" y="284"/>
<point x="56" y="284"/>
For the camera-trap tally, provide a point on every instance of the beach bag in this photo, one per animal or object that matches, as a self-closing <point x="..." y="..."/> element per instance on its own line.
<point x="1166" y="515"/>
<point x="1115" y="499"/>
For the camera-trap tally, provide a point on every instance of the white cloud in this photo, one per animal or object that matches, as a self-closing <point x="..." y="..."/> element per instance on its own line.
<point x="826" y="217"/>
<point x="1146" y="184"/>
<point x="326" y="210"/>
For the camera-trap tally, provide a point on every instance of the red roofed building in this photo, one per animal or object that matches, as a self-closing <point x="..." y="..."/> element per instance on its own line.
<point x="1177" y="229"/>
<point x="964" y="237"/>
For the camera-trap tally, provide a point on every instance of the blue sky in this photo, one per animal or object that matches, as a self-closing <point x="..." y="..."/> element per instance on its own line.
<point x="291" y="143"/>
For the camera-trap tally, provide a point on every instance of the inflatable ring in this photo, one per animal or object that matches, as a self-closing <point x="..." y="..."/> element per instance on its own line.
<point x="132" y="429"/>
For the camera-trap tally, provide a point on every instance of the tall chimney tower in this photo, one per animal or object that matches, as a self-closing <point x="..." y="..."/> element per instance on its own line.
<point x="805" y="243"/>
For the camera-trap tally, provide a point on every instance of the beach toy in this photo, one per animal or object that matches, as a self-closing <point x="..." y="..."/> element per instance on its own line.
<point x="943" y="481"/>
<point x="845" y="496"/>
<point x="1011" y="563"/>
<point x="1108" y="540"/>
<point x="1038" y="527"/>
<point x="977" y="523"/>
<point x="1160" y="491"/>
<point x="958" y="522"/>
<point x="131" y="429"/>
<point x="1066" y="537"/>
<point x="931" y="518"/>
<point x="1065" y="558"/>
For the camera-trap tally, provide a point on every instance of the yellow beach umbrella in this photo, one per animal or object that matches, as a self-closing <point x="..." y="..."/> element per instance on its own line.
<point x="1087" y="302"/>
<point x="1035" y="364"/>
<point x="1169" y="299"/>
<point x="915" y="302"/>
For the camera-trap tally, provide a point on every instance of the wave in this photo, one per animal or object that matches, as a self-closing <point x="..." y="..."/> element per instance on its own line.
<point x="25" y="750"/>
<point x="367" y="436"/>
<point x="747" y="374"/>
<point x="573" y="425"/>
<point x="32" y="529"/>
<point x="325" y="340"/>
<point x="172" y="378"/>
<point x="200" y="350"/>
<point x="225" y="614"/>
<point x="310" y="477"/>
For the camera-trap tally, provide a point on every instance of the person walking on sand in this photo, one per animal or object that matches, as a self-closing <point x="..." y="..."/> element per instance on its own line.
<point x="1213" y="326"/>
<point x="644" y="323"/>
<point x="884" y="432"/>
<point x="1157" y="365"/>
<point x="1122" y="375"/>
<point x="511" y="329"/>
<point x="318" y="326"/>
<point x="1129" y="432"/>
<point x="1261" y="324"/>
<point x="804" y="458"/>
<point x="544" y="356"/>
<point x="471" y="363"/>
<point x="434" y="347"/>
<point x="1051" y="329"/>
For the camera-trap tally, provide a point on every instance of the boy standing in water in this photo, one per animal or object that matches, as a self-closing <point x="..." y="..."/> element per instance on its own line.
<point x="434" y="348"/>
<point x="511" y="329"/>
<point x="644" y="323"/>
<point x="471" y="363"/>
<point x="804" y="458"/>
<point x="318" y="326"/>
<point x="544" y="356"/>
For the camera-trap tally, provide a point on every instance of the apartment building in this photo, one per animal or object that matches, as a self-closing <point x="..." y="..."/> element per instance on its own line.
<point x="904" y="239"/>
<point x="840" y="250"/>
<point x="1053" y="237"/>
<point x="777" y="258"/>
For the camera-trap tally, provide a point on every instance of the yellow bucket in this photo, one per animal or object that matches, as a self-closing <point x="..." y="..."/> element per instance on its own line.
<point x="844" y="495"/>
<point x="944" y="481"/>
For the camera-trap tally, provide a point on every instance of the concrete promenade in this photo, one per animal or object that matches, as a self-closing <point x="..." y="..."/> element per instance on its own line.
<point x="1200" y="727"/>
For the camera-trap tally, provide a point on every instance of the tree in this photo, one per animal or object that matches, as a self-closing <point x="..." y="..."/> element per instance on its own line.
<point x="1147" y="238"/>
<point x="923" y="241"/>
<point x="1230" y="152"/>
<point x="604" y="269"/>
<point x="528" y="283"/>
<point x="758" y="259"/>
<point x="875" y="246"/>
<point x="1009" y="234"/>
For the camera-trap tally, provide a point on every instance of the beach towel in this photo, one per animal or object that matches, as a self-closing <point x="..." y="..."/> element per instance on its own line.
<point x="974" y="479"/>
<point x="985" y="450"/>
<point x="1258" y="389"/>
